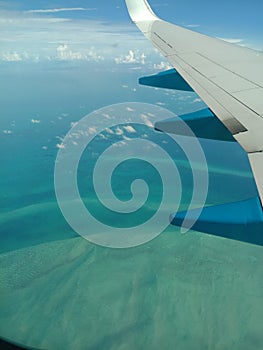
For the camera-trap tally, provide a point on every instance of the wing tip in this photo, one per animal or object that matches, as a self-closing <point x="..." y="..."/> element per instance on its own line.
<point x="140" y="10"/>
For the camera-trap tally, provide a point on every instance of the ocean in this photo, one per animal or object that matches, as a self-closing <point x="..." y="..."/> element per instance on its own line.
<point x="60" y="291"/>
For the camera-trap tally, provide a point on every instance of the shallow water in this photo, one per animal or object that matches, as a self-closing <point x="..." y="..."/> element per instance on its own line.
<point x="192" y="292"/>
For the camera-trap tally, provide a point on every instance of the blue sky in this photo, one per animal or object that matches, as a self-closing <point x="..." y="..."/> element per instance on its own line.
<point x="101" y="30"/>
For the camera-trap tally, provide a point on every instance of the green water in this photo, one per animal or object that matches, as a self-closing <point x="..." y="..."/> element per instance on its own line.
<point x="185" y="292"/>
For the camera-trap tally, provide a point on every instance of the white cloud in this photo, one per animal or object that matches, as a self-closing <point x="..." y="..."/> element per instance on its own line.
<point x="92" y="130"/>
<point x="27" y="37"/>
<point x="24" y="22"/>
<point x="146" y="120"/>
<point x="93" y="55"/>
<point x="109" y="131"/>
<point x="131" y="57"/>
<point x="119" y="144"/>
<point x="14" y="56"/>
<point x="192" y="25"/>
<point x="197" y="100"/>
<point x="232" y="40"/>
<point x="126" y="138"/>
<point x="118" y="131"/>
<point x="103" y="136"/>
<point x="30" y="36"/>
<point x="64" y="53"/>
<point x="162" y="66"/>
<point x="11" y="56"/>
<point x="35" y="121"/>
<point x="63" y="9"/>
<point x="72" y="124"/>
<point x="129" y="129"/>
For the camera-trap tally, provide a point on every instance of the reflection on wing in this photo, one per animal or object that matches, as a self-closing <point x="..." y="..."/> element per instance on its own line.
<point x="227" y="77"/>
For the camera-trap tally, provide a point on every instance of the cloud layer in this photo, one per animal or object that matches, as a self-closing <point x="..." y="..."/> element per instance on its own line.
<point x="63" y="9"/>
<point x="30" y="37"/>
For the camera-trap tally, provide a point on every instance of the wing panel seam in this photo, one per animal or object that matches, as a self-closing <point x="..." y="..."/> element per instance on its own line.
<point x="229" y="70"/>
<point x="212" y="82"/>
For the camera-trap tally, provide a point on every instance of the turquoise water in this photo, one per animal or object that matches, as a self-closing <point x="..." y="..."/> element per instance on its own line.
<point x="58" y="291"/>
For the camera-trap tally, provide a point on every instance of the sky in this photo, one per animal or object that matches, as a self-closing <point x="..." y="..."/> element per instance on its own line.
<point x="74" y="30"/>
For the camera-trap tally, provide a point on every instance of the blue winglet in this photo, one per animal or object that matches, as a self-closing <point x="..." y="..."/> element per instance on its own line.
<point x="169" y="79"/>
<point x="242" y="221"/>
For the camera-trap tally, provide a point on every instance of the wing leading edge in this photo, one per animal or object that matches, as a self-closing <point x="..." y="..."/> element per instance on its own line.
<point x="228" y="78"/>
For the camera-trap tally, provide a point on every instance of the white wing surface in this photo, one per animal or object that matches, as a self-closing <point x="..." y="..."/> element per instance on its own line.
<point x="228" y="78"/>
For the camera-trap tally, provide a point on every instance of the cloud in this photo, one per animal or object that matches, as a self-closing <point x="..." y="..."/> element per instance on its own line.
<point x="63" y="9"/>
<point x="129" y="129"/>
<point x="11" y="57"/>
<point x="109" y="131"/>
<point x="131" y="57"/>
<point x="60" y="146"/>
<point x="197" y="100"/>
<point x="118" y="131"/>
<point x="232" y="40"/>
<point x="146" y="120"/>
<point x="162" y="65"/>
<point x="16" y="57"/>
<point x="64" y="53"/>
<point x="37" y="39"/>
<point x="35" y="121"/>
<point x="92" y="130"/>
<point x="192" y="25"/>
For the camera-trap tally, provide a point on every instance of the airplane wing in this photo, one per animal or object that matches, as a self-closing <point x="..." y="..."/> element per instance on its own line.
<point x="227" y="77"/>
